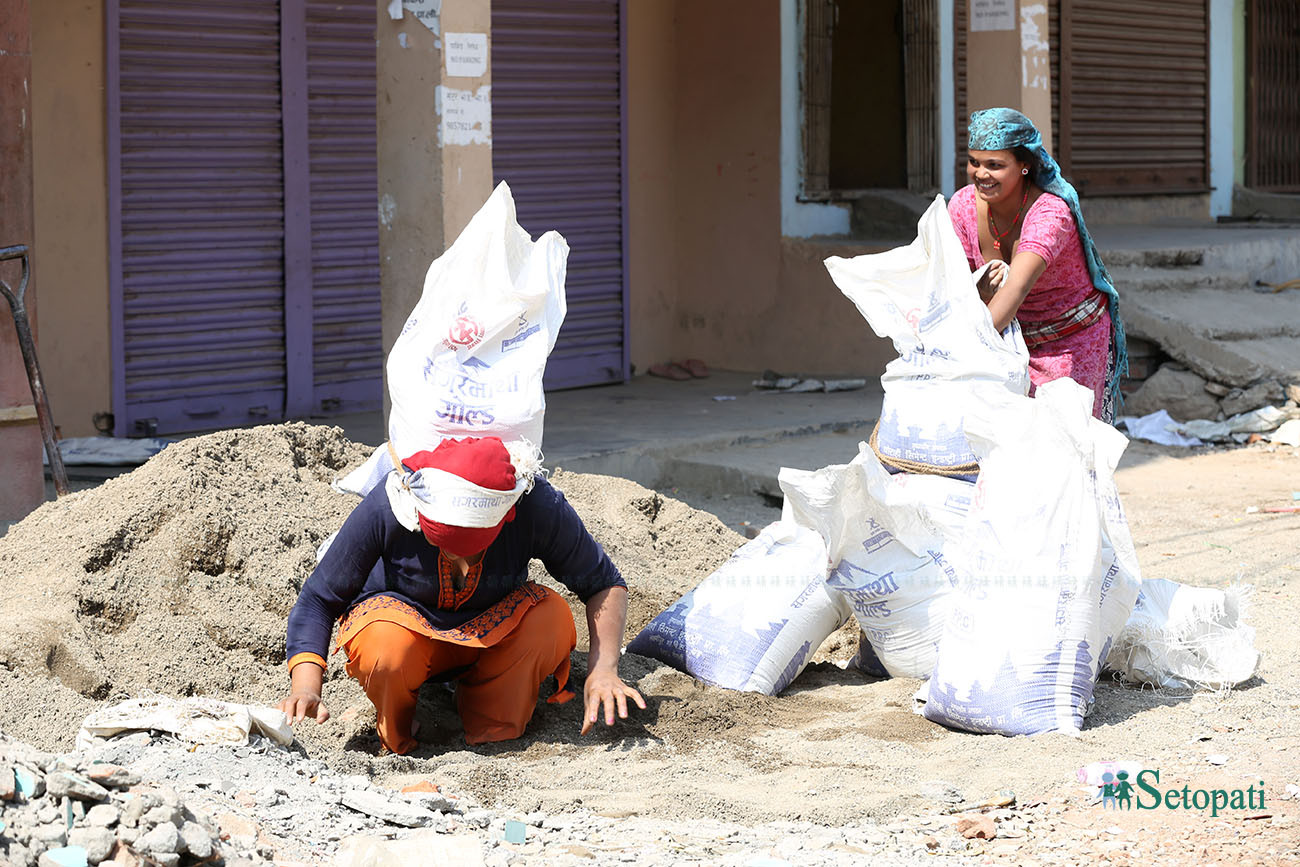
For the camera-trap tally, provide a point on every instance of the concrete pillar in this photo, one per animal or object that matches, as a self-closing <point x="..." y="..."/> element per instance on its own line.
<point x="22" y="480"/>
<point x="434" y="139"/>
<point x="465" y="111"/>
<point x="1008" y="61"/>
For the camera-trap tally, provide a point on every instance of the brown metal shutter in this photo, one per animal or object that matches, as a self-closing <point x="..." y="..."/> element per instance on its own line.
<point x="1134" y="96"/>
<point x="921" y="79"/>
<point x="959" y="87"/>
<point x="1273" y="125"/>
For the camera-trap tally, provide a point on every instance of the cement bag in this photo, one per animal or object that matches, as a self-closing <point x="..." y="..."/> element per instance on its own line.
<point x="1187" y="637"/>
<point x="469" y="360"/>
<point x="923" y="298"/>
<point x="885" y="535"/>
<point x="755" y="622"/>
<point x="1029" y="625"/>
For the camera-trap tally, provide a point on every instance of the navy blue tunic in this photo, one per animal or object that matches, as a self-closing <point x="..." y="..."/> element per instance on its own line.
<point x="374" y="554"/>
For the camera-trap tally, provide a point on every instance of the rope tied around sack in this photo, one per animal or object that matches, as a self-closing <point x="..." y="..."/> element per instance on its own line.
<point x="970" y="468"/>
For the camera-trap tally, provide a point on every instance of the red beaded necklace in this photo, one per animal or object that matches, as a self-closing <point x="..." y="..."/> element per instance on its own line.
<point x="993" y="226"/>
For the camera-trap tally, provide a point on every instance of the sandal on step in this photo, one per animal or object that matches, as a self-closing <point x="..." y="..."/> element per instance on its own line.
<point x="696" y="368"/>
<point x="670" y="371"/>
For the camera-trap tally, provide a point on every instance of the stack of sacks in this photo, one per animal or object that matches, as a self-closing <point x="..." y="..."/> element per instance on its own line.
<point x="469" y="361"/>
<point x="886" y="536"/>
<point x="1047" y="574"/>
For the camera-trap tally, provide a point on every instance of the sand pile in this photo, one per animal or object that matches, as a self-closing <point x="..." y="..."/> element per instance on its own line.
<point x="178" y="576"/>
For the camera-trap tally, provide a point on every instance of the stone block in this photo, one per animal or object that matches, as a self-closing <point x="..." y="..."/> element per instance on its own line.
<point x="1266" y="393"/>
<point x="112" y="776"/>
<point x="68" y="784"/>
<point x="195" y="840"/>
<point x="1180" y="392"/>
<point x="98" y="842"/>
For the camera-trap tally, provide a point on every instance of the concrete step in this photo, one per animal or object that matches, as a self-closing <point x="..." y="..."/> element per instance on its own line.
<point x="1131" y="278"/>
<point x="1237" y="313"/>
<point x="1167" y="257"/>
<point x="753" y="468"/>
<point x="1196" y="338"/>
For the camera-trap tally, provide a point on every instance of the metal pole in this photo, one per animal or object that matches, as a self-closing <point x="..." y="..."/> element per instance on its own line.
<point x="28" y="347"/>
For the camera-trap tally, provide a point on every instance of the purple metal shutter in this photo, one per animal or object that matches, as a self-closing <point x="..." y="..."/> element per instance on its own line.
<point x="347" y="350"/>
<point x="197" y="227"/>
<point x="558" y="140"/>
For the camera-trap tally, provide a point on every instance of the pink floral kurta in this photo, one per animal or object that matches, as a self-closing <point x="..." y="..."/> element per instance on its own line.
<point x="1049" y="231"/>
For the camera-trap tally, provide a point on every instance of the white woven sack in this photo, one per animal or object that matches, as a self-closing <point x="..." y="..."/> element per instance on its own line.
<point x="885" y="535"/>
<point x="470" y="358"/>
<point x="1028" y="630"/>
<point x="923" y="298"/>
<point x="1185" y="637"/>
<point x="755" y="622"/>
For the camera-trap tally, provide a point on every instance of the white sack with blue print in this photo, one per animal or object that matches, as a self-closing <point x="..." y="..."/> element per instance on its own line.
<point x="886" y="536"/>
<point x="1047" y="574"/>
<point x="753" y="624"/>
<point x="923" y="298"/>
<point x="470" y="358"/>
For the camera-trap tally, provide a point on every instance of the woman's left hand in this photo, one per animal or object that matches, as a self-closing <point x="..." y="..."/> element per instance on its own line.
<point x="993" y="279"/>
<point x="606" y="692"/>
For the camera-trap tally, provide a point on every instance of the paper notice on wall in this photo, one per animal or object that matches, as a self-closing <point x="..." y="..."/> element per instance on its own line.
<point x="428" y="12"/>
<point x="466" y="54"/>
<point x="992" y="15"/>
<point x="465" y="116"/>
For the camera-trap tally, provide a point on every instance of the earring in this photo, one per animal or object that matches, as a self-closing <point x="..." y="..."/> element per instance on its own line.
<point x="1024" y="171"/>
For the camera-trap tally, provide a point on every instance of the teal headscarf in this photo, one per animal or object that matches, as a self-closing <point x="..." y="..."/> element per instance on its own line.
<point x="1002" y="129"/>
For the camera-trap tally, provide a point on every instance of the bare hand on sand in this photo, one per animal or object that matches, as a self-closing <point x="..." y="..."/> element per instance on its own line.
<point x="304" y="699"/>
<point x="606" y="690"/>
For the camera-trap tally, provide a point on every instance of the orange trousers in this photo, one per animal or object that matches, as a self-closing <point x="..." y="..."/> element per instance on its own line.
<point x="495" y="696"/>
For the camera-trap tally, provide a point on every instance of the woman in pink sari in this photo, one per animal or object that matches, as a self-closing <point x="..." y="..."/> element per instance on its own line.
<point x="1019" y="214"/>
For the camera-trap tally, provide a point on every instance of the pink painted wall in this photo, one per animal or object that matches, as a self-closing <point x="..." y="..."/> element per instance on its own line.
<point x="711" y="275"/>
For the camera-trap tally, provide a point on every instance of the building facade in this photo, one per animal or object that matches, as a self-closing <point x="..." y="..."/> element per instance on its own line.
<point x="235" y="204"/>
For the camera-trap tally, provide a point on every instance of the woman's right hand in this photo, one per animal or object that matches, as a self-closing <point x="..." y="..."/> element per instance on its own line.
<point x="305" y="682"/>
<point x="302" y="705"/>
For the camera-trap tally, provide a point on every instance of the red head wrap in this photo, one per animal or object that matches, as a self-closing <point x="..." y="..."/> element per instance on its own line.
<point x="484" y="462"/>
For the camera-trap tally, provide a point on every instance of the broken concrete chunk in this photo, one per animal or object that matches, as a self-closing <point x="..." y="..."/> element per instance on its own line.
<point x="1218" y="389"/>
<point x="66" y="783"/>
<point x="393" y="812"/>
<point x="102" y="816"/>
<point x="112" y="776"/>
<point x="1264" y="393"/>
<point x="162" y="840"/>
<point x="1180" y="392"/>
<point x="8" y="789"/>
<point x="133" y="811"/>
<point x="164" y="815"/>
<point x="195" y="840"/>
<point x="435" y="801"/>
<point x="51" y="835"/>
<point x="98" y="842"/>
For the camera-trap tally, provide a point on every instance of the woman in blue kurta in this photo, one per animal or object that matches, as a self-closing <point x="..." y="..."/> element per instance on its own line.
<point x="429" y="576"/>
